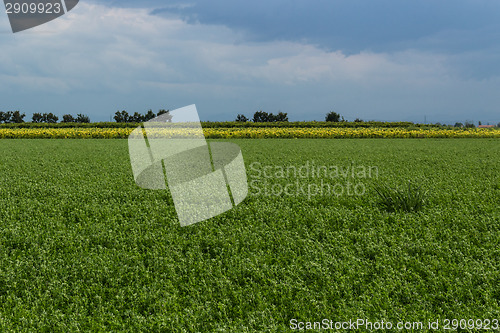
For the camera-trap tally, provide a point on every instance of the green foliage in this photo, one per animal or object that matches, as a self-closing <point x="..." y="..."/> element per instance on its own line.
<point x="11" y="117"/>
<point x="409" y="199"/>
<point x="81" y="118"/>
<point x="233" y="124"/>
<point x="264" y="117"/>
<point x="44" y="118"/>
<point x="17" y="117"/>
<point x="149" y="115"/>
<point x="136" y="118"/>
<point x="332" y="116"/>
<point x="84" y="249"/>
<point x="121" y="117"/>
<point x="241" y="118"/>
<point x="162" y="112"/>
<point x="67" y="118"/>
<point x="37" y="118"/>
<point x="280" y="117"/>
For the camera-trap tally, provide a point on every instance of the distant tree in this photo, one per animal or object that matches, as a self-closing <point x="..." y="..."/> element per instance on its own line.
<point x="149" y="115"/>
<point x="241" y="118"/>
<point x="8" y="117"/>
<point x="37" y="118"/>
<point x="469" y="124"/>
<point x="264" y="117"/>
<point x="357" y="120"/>
<point x="459" y="125"/>
<point x="16" y="117"/>
<point x="498" y="125"/>
<point x="260" y="117"/>
<point x="333" y="116"/>
<point x="50" y="118"/>
<point x="479" y="123"/>
<point x="67" y="118"/>
<point x="3" y="117"/>
<point x="121" y="117"/>
<point x="137" y="118"/>
<point x="168" y="116"/>
<point x="81" y="118"/>
<point x="280" y="117"/>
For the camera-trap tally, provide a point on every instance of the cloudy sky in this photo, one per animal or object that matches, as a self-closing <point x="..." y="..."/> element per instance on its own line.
<point x="373" y="59"/>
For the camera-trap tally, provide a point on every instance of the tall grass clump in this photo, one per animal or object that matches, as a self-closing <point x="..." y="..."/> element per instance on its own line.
<point x="409" y="199"/>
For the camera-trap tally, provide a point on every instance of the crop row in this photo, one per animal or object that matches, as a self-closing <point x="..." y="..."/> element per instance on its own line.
<point x="260" y="133"/>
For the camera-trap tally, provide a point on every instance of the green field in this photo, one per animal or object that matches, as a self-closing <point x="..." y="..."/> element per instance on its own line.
<point x="82" y="248"/>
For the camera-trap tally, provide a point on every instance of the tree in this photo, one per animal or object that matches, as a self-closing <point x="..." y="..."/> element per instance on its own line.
<point x="262" y="117"/>
<point x="241" y="118"/>
<point x="8" y="117"/>
<point x="469" y="124"/>
<point x="37" y="118"/>
<point x="149" y="115"/>
<point x="459" y="125"/>
<point x="167" y="114"/>
<point x="3" y="117"/>
<point x="332" y="116"/>
<point x="16" y="117"/>
<point x="357" y="120"/>
<point x="121" y="117"/>
<point x="137" y="118"/>
<point x="479" y="123"/>
<point x="280" y="117"/>
<point x="67" y="118"/>
<point x="50" y="118"/>
<point x="81" y="118"/>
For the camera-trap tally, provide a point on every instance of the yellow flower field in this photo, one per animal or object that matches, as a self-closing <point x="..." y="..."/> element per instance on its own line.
<point x="251" y="133"/>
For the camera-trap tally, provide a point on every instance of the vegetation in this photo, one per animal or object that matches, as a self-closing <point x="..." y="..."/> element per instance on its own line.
<point x="237" y="124"/>
<point x="241" y="118"/>
<point x="124" y="117"/>
<point x="254" y="133"/>
<point x="44" y="118"/>
<point x="264" y="117"/>
<point x="469" y="124"/>
<point x="409" y="199"/>
<point x="15" y="117"/>
<point x="85" y="249"/>
<point x="333" y="117"/>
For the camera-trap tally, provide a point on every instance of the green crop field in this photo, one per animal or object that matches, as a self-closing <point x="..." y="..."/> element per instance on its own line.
<point x="82" y="248"/>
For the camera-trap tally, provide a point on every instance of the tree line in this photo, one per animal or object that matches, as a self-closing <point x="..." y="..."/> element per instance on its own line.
<point x="16" y="117"/>
<point x="11" y="117"/>
<point x="264" y="117"/>
<point x="124" y="117"/>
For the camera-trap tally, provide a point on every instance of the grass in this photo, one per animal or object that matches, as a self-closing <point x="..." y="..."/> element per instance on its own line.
<point x="82" y="248"/>
<point x="409" y="199"/>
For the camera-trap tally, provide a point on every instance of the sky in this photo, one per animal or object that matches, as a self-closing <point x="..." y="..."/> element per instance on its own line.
<point x="389" y="60"/>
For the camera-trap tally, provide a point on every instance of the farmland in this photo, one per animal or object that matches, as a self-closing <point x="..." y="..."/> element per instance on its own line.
<point x="83" y="248"/>
<point x="255" y="132"/>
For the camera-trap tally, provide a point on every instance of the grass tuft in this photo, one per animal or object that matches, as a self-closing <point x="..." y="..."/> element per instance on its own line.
<point x="409" y="199"/>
